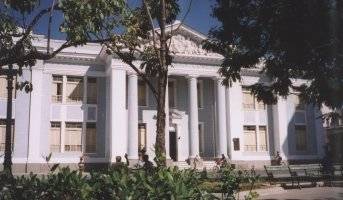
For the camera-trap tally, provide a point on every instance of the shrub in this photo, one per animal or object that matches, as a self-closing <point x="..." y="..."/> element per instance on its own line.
<point x="232" y="179"/>
<point x="118" y="183"/>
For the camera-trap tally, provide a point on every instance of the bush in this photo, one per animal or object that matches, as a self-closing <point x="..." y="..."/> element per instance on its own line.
<point x="119" y="183"/>
<point x="231" y="180"/>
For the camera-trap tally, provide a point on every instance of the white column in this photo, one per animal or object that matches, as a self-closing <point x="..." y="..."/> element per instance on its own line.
<point x="280" y="119"/>
<point x="193" y="116"/>
<point x="221" y="118"/>
<point x="34" y="154"/>
<point x="132" y="116"/>
<point x="118" y="114"/>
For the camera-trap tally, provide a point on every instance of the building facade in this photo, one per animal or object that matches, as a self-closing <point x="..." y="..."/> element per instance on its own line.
<point x="334" y="136"/>
<point x="87" y="103"/>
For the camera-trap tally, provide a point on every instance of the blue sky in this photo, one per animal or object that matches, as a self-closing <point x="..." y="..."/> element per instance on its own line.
<point x="198" y="18"/>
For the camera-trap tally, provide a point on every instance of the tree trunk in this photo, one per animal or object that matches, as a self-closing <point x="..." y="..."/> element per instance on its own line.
<point x="160" y="146"/>
<point x="8" y="141"/>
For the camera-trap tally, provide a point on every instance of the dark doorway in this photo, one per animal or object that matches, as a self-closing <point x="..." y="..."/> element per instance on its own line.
<point x="173" y="145"/>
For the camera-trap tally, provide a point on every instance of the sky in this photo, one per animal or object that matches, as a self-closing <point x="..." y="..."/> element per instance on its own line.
<point x="199" y="17"/>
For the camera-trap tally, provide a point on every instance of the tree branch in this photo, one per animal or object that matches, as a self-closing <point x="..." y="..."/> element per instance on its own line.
<point x="49" y="26"/>
<point x="184" y="18"/>
<point x="139" y="72"/>
<point x="152" y="27"/>
<point x="35" y="21"/>
<point x="34" y="54"/>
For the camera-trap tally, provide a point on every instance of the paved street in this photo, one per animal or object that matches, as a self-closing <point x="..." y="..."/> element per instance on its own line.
<point x="326" y="193"/>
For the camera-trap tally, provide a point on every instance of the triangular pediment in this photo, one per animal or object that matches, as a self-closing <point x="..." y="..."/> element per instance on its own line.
<point x="187" y="41"/>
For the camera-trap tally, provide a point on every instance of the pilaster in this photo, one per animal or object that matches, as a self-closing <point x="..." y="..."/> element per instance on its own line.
<point x="280" y="120"/>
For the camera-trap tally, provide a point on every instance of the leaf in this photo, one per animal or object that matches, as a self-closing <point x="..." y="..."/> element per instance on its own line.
<point x="47" y="158"/>
<point x="54" y="167"/>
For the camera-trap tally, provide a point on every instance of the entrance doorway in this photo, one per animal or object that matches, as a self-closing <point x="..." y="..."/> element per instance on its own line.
<point x="173" y="145"/>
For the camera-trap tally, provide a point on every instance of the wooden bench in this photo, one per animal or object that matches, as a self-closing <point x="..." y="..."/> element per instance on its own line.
<point x="275" y="172"/>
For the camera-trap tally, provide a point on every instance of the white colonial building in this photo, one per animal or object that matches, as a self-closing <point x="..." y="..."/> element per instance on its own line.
<point x="87" y="103"/>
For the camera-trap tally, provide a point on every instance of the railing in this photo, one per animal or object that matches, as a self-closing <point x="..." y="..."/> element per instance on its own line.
<point x="56" y="98"/>
<point x="72" y="147"/>
<point x="255" y="148"/>
<point x="248" y="106"/>
<point x="55" y="148"/>
<point x="2" y="146"/>
<point x="250" y="148"/>
<point x="74" y="99"/>
<point x="262" y="147"/>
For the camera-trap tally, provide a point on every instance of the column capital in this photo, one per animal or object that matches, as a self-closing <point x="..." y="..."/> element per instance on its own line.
<point x="192" y="76"/>
<point x="131" y="73"/>
<point x="218" y="78"/>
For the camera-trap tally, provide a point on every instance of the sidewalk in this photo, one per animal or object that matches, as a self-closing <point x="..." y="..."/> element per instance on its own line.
<point x="325" y="193"/>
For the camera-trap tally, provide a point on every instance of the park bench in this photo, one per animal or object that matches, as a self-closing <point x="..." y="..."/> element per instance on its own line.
<point x="297" y="173"/>
<point x="338" y="169"/>
<point x="276" y="173"/>
<point x="306" y="172"/>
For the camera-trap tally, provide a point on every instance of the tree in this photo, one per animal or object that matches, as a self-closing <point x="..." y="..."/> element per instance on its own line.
<point x="146" y="39"/>
<point x="291" y="39"/>
<point x="18" y="20"/>
<point x="129" y="33"/>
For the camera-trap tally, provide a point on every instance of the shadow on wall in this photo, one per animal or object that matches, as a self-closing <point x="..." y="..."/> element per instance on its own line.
<point x="301" y="143"/>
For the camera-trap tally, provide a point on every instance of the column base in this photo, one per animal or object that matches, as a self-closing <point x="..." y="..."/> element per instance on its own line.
<point x="196" y="162"/>
<point x="169" y="162"/>
<point x="133" y="162"/>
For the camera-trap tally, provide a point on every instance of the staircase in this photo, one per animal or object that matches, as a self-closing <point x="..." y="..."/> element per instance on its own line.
<point x="209" y="165"/>
<point x="181" y="164"/>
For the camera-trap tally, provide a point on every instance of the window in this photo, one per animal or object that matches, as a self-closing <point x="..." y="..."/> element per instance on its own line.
<point x="92" y="91"/>
<point x="250" y="138"/>
<point x="55" y="137"/>
<point x="142" y="93"/>
<point x="261" y="105"/>
<point x="74" y="89"/>
<point x="141" y="137"/>
<point x="255" y="139"/>
<point x="262" y="138"/>
<point x="300" y="137"/>
<point x="57" y="87"/>
<point x="171" y="94"/>
<point x="299" y="105"/>
<point x="73" y="135"/>
<point x="201" y="139"/>
<point x="250" y="101"/>
<point x="3" y="87"/>
<point x="200" y="88"/>
<point x="90" y="138"/>
<point x="3" y="134"/>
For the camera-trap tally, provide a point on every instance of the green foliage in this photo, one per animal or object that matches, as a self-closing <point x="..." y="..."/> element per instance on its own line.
<point x="231" y="181"/>
<point x="86" y="20"/>
<point x="292" y="39"/>
<point x="118" y="183"/>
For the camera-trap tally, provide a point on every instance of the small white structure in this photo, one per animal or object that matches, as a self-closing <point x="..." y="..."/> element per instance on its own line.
<point x="87" y="103"/>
